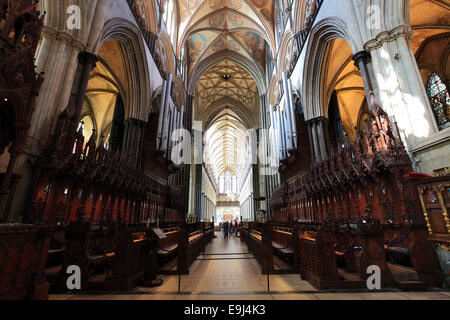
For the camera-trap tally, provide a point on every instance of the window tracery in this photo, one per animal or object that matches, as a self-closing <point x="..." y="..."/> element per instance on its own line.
<point x="440" y="101"/>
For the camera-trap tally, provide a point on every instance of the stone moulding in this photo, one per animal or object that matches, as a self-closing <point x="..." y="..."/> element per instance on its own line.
<point x="388" y="36"/>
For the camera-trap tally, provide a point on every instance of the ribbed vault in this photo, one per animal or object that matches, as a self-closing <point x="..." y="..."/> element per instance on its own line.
<point x="226" y="79"/>
<point x="227" y="96"/>
<point x="211" y="26"/>
<point x="227" y="144"/>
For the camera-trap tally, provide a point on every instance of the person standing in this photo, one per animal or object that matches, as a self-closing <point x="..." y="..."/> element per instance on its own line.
<point x="236" y="228"/>
<point x="225" y="230"/>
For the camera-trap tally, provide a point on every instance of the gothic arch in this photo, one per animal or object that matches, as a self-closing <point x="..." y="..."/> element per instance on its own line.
<point x="254" y="70"/>
<point x="300" y="12"/>
<point x="152" y="17"/>
<point x="322" y="33"/>
<point x="239" y="109"/>
<point x="287" y="53"/>
<point x="178" y="92"/>
<point x="166" y="44"/>
<point x="136" y="64"/>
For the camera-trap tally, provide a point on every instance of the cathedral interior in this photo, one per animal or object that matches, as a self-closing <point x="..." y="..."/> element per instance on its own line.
<point x="246" y="149"/>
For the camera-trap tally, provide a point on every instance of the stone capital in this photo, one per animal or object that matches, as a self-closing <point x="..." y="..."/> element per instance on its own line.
<point x="88" y="58"/>
<point x="64" y="37"/>
<point x="362" y="56"/>
<point x="49" y="33"/>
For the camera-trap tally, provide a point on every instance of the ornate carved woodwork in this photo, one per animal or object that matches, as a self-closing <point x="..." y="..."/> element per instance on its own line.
<point x="23" y="253"/>
<point x="23" y="248"/>
<point x="21" y="26"/>
<point x="367" y="188"/>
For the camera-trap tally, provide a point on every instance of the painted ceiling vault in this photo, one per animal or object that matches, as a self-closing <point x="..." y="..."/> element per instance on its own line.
<point x="210" y="26"/>
<point x="212" y="30"/>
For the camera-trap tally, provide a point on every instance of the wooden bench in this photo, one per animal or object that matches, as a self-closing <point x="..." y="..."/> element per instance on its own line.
<point x="132" y="255"/>
<point x="411" y="255"/>
<point x="168" y="245"/>
<point x="101" y="248"/>
<point x="194" y="237"/>
<point x="23" y="252"/>
<point x="282" y="241"/>
<point x="318" y="261"/>
<point x="92" y="248"/>
<point x="257" y="237"/>
<point x="347" y="246"/>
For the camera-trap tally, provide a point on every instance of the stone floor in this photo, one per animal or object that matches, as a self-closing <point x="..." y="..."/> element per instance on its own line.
<point x="227" y="271"/>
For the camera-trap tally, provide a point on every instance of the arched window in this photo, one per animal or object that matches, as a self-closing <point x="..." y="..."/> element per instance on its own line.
<point x="439" y="100"/>
<point x="228" y="184"/>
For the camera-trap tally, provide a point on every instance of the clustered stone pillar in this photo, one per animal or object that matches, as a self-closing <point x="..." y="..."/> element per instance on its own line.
<point x="317" y="132"/>
<point x="198" y="190"/>
<point x="133" y="141"/>
<point x="87" y="62"/>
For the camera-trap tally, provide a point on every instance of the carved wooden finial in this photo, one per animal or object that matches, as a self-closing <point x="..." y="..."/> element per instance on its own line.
<point x="374" y="106"/>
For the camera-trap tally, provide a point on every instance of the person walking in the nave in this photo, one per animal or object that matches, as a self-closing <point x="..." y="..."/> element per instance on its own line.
<point x="225" y="229"/>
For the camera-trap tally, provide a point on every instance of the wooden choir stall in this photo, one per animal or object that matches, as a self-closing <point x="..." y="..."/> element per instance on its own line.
<point x="23" y="247"/>
<point x="356" y="208"/>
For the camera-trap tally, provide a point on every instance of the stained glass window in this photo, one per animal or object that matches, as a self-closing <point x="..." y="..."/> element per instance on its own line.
<point x="439" y="100"/>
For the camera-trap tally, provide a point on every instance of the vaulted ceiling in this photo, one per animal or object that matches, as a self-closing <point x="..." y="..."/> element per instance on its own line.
<point x="226" y="80"/>
<point x="226" y="86"/>
<point x="211" y="26"/>
<point x="227" y="144"/>
<point x="210" y="32"/>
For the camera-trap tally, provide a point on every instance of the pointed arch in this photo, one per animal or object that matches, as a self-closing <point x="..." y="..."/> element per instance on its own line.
<point x="135" y="57"/>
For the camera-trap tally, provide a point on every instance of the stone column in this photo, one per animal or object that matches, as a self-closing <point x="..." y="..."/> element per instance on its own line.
<point x="401" y="90"/>
<point x="198" y="190"/>
<point x="362" y="59"/>
<point x="133" y="140"/>
<point x="57" y="58"/>
<point x="87" y="62"/>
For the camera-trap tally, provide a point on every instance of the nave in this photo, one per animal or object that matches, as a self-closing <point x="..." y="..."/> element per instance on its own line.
<point x="231" y="273"/>
<point x="130" y="132"/>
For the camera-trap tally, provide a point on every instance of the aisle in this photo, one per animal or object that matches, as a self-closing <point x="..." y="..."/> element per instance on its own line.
<point x="227" y="271"/>
<point x="236" y="273"/>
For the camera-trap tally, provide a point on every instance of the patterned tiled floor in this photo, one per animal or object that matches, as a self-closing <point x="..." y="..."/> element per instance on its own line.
<point x="240" y="279"/>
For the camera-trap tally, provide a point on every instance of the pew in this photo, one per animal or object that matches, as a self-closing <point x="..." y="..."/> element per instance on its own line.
<point x="110" y="256"/>
<point x="91" y="247"/>
<point x="282" y="242"/>
<point x="55" y="256"/>
<point x="101" y="248"/>
<point x="132" y="253"/>
<point x="347" y="245"/>
<point x="257" y="237"/>
<point x="318" y="263"/>
<point x="285" y="248"/>
<point x="167" y="249"/>
<point x="411" y="256"/>
<point x="23" y="254"/>
<point x="193" y="239"/>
